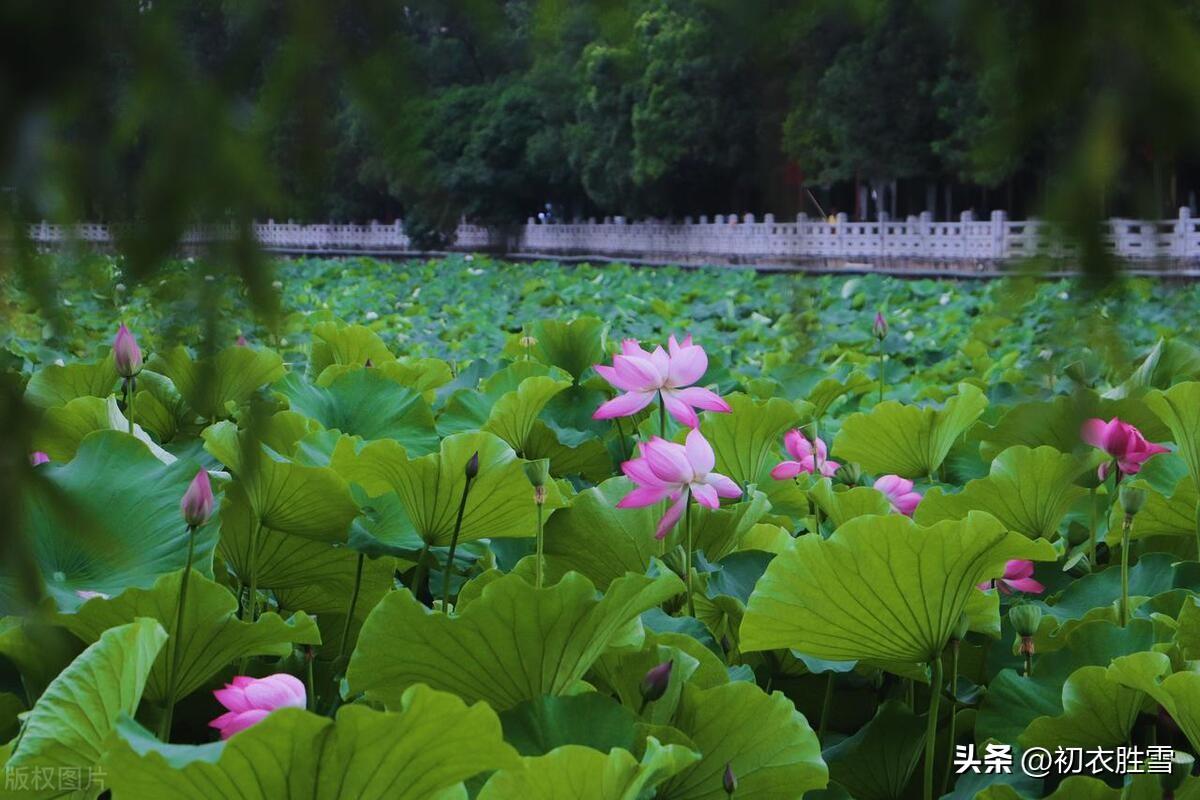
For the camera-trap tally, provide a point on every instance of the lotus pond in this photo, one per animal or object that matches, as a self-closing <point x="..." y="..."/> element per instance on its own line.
<point x="464" y="528"/>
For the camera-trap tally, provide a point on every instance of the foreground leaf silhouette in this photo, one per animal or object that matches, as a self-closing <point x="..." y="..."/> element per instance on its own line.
<point x="425" y="749"/>
<point x="512" y="644"/>
<point x="880" y="588"/>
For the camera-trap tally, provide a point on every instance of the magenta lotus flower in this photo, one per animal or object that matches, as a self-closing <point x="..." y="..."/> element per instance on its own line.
<point x="250" y="700"/>
<point x="810" y="457"/>
<point x="197" y="502"/>
<point x="1018" y="577"/>
<point x="899" y="492"/>
<point x="37" y="458"/>
<point x="880" y="327"/>
<point x="641" y="376"/>
<point x="673" y="471"/>
<point x="1122" y="441"/>
<point x="126" y="354"/>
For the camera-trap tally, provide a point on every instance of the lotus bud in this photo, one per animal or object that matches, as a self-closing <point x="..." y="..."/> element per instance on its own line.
<point x="1077" y="372"/>
<point x="729" y="780"/>
<point x="472" y="468"/>
<point x="538" y="471"/>
<point x="369" y="364"/>
<point x="1025" y="618"/>
<point x="126" y="354"/>
<point x="197" y="502"/>
<point x="880" y="328"/>
<point x="38" y="458"/>
<point x="1132" y="500"/>
<point x="654" y="685"/>
<point x="849" y="474"/>
<point x="960" y="628"/>
<point x="241" y="340"/>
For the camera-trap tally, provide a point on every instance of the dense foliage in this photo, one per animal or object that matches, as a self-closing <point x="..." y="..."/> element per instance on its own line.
<point x="452" y="546"/>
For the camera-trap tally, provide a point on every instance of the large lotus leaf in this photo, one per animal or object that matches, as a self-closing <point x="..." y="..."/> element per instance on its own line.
<point x="55" y="385"/>
<point x="877" y="762"/>
<point x="68" y="726"/>
<point x="880" y="588"/>
<point x="766" y="741"/>
<point x="1097" y="712"/>
<point x="313" y="502"/>
<point x="515" y="413"/>
<point x="1075" y="787"/>
<point x="507" y="402"/>
<point x="622" y="671"/>
<point x="573" y="346"/>
<point x="907" y="440"/>
<point x="841" y="506"/>
<point x="594" y="720"/>
<point x="1029" y="490"/>
<point x="423" y="375"/>
<point x="1173" y="515"/>
<point x="1179" y="409"/>
<point x="160" y="408"/>
<point x="1177" y="693"/>
<point x="62" y="428"/>
<point x="1013" y="701"/>
<point x="110" y="520"/>
<point x="1187" y="633"/>
<point x="588" y="458"/>
<point x="1170" y="361"/>
<point x="38" y="651"/>
<point x="749" y="441"/>
<point x="1057" y="422"/>
<point x="366" y="403"/>
<point x="582" y="773"/>
<point x="229" y="377"/>
<point x="213" y="635"/>
<point x="512" y="644"/>
<point x="500" y="503"/>
<point x="424" y="750"/>
<point x="1152" y="575"/>
<point x="333" y="343"/>
<point x="829" y="390"/>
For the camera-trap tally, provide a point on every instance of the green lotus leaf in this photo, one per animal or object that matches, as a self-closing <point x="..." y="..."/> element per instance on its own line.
<point x="507" y="403"/>
<point x="1170" y="361"/>
<point x="907" y="440"/>
<point x="749" y="441"/>
<point x="422" y="375"/>
<point x="500" y="503"/>
<point x="230" y="377"/>
<point x="424" y="750"/>
<point x="110" y="520"/>
<point x="593" y="720"/>
<point x="1178" y="693"/>
<point x="1097" y="712"/>
<point x="38" y="650"/>
<point x="1187" y="632"/>
<point x="582" y="773"/>
<point x="515" y="413"/>
<point x="55" y="385"/>
<point x="1173" y="515"/>
<point x="828" y="391"/>
<point x="880" y="588"/>
<point x="62" y="428"/>
<point x="11" y="706"/>
<point x="1179" y="409"/>
<point x="160" y="408"/>
<point x="842" y="505"/>
<point x="213" y="635"/>
<point x="1152" y="575"/>
<point x="335" y="343"/>
<point x="313" y="502"/>
<point x="68" y="726"/>
<point x="877" y="762"/>
<point x="1029" y="490"/>
<point x="766" y="741"/>
<point x="692" y="662"/>
<point x="588" y="458"/>
<point x="512" y="644"/>
<point x="1075" y="787"/>
<point x="573" y="346"/>
<point x="366" y="403"/>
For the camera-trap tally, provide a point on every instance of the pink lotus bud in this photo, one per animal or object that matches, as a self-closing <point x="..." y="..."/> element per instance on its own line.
<point x="37" y="458"/>
<point x="126" y="354"/>
<point x="250" y="700"/>
<point x="654" y="685"/>
<point x="197" y="502"/>
<point x="472" y="468"/>
<point x="241" y="340"/>
<point x="729" y="780"/>
<point x="880" y="328"/>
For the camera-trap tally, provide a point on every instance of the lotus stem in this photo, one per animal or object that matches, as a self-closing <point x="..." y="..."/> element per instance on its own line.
<point x="540" y="548"/>
<point x="353" y="602"/>
<point x="662" y="415"/>
<point x="935" y="696"/>
<point x="462" y="507"/>
<point x="687" y="521"/>
<point x="881" y="376"/>
<point x="130" y="385"/>
<point x="1093" y="523"/>
<point x="1125" y="528"/>
<point x="621" y="439"/>
<point x="421" y="573"/>
<point x="826" y="706"/>
<point x="1198" y="530"/>
<point x="954" y="645"/>
<point x="251" y="608"/>
<point x="309" y="658"/>
<point x="175" y="642"/>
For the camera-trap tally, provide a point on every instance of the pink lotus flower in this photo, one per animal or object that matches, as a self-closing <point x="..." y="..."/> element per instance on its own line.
<point x="37" y="458"/>
<point x="673" y="471"/>
<point x="126" y="354"/>
<point x="809" y="457"/>
<point x="1018" y="577"/>
<point x="197" y="502"/>
<point x="250" y="700"/>
<point x="899" y="492"/>
<point x="641" y="376"/>
<point x="1122" y="441"/>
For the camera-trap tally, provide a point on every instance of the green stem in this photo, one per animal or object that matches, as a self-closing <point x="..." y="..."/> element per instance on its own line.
<point x="421" y="573"/>
<point x="251" y="608"/>
<point x="954" y="645"/>
<point x="353" y="602"/>
<point x="130" y="388"/>
<point x="538" y="580"/>
<point x="935" y="696"/>
<point x="662" y="415"/>
<point x="826" y="706"/>
<point x="1028" y="664"/>
<point x="1198" y="531"/>
<point x="1092" y="528"/>
<point x="1125" y="570"/>
<point x="310" y="657"/>
<point x="687" y="521"/>
<point x="881" y="377"/>
<point x="175" y="643"/>
<point x="462" y="506"/>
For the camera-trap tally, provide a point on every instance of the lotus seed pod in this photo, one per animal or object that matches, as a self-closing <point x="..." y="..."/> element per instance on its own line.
<point x="849" y="474"/>
<point x="1132" y="500"/>
<point x="654" y="685"/>
<point x="1025" y="618"/>
<point x="538" y="471"/>
<point x="1181" y="768"/>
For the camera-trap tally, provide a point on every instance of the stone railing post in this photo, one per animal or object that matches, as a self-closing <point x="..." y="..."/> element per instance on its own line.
<point x="999" y="234"/>
<point x="1181" y="247"/>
